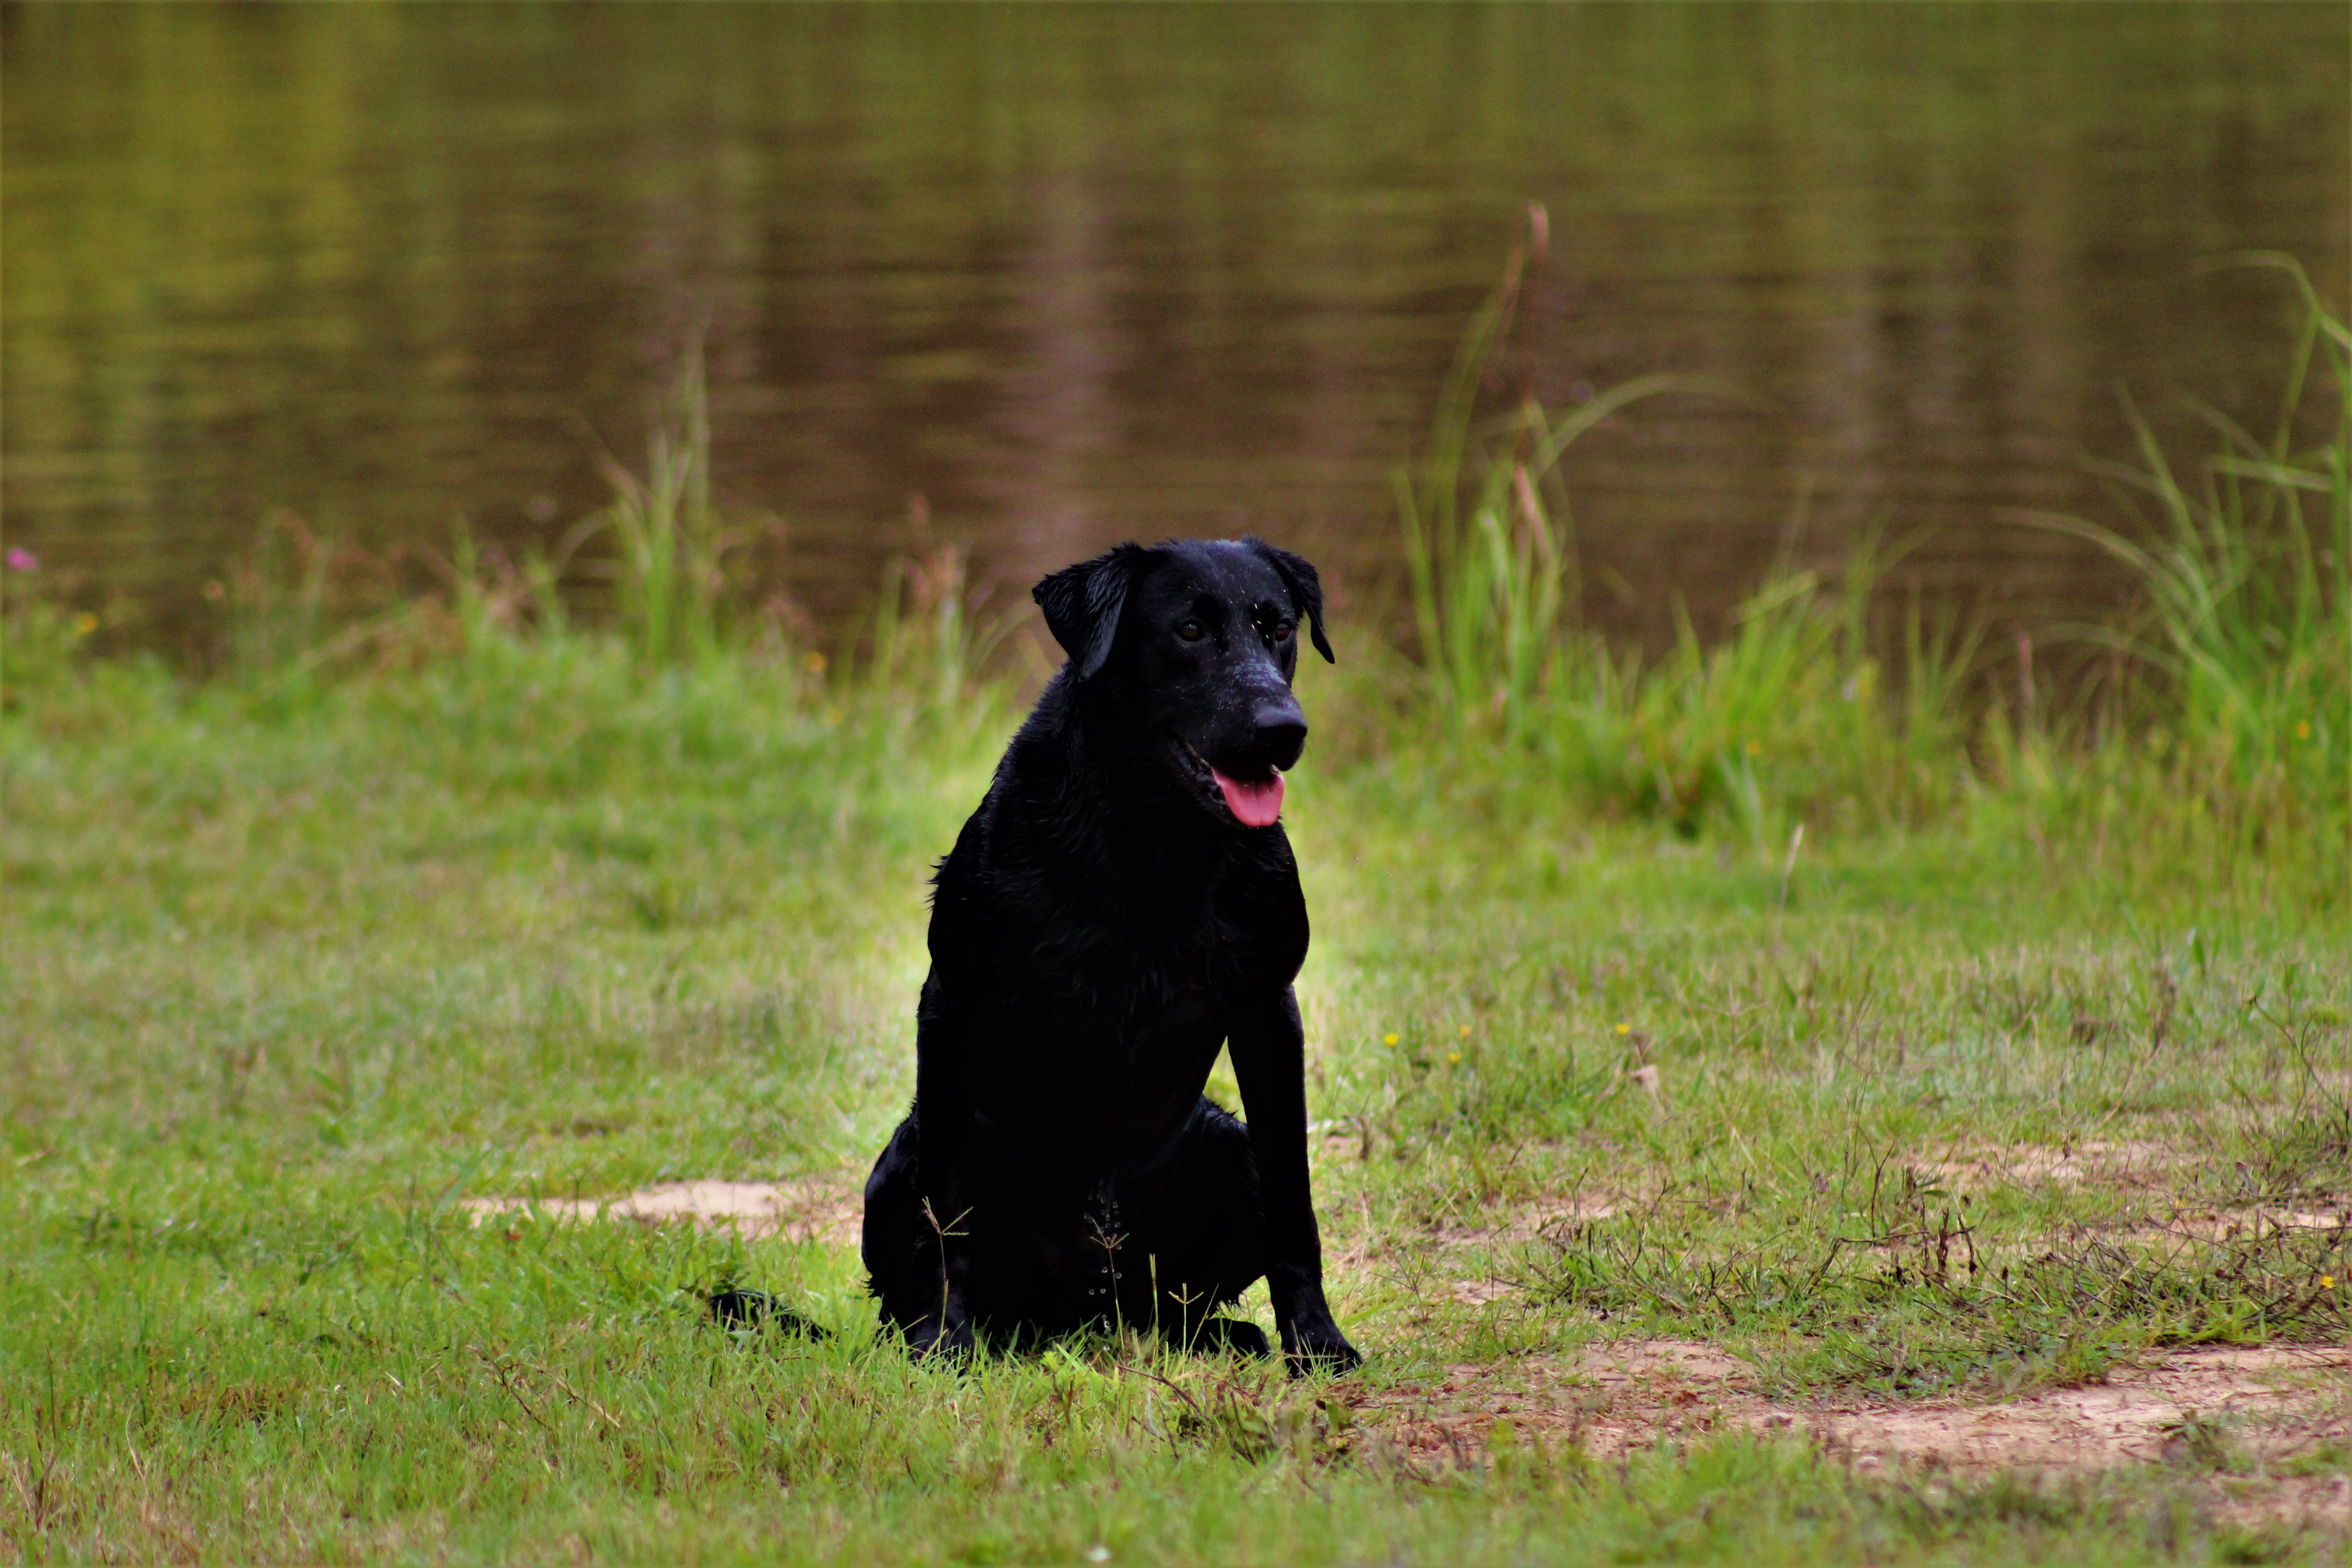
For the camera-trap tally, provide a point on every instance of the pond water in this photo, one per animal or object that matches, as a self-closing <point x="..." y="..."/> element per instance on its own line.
<point x="1070" y="275"/>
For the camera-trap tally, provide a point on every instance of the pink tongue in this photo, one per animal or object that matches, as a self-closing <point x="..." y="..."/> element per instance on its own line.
<point x="1255" y="804"/>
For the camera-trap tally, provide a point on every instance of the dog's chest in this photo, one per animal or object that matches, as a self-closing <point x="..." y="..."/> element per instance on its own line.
<point x="1122" y="1011"/>
<point x="1106" y="996"/>
<point x="1079" y="1087"/>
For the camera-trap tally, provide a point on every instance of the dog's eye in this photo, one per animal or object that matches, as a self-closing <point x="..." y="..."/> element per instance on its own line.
<point x="1191" y="631"/>
<point x="1282" y="630"/>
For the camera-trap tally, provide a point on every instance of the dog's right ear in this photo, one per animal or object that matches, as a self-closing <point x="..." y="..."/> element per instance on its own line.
<point x="1082" y="604"/>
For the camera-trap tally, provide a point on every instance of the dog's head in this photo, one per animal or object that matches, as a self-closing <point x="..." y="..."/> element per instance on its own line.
<point x="1196" y="641"/>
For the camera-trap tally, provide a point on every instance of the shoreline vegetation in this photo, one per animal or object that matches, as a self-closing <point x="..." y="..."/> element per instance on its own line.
<point x="2216" y="722"/>
<point x="1838" y="1018"/>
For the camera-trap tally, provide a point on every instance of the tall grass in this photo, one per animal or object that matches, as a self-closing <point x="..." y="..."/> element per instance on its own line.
<point x="2246" y="563"/>
<point x="1489" y="540"/>
<point x="668" y="569"/>
<point x="2233" y="725"/>
<point x="928" y="638"/>
<point x="1784" y="711"/>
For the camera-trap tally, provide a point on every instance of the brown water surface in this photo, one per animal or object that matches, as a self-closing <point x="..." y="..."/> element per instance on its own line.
<point x="1074" y="274"/>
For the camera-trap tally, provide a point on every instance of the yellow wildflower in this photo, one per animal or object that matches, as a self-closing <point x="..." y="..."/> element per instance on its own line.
<point x="1624" y="1028"/>
<point x="2327" y="1281"/>
<point x="1453" y="1055"/>
<point x="1389" y="1039"/>
<point x="85" y="623"/>
<point x="2303" y="730"/>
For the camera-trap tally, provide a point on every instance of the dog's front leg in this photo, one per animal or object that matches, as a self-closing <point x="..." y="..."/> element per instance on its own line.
<point x="940" y="1112"/>
<point x="1269" y="1052"/>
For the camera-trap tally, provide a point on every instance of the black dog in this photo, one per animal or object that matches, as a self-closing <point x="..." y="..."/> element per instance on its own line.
<point x="1123" y="903"/>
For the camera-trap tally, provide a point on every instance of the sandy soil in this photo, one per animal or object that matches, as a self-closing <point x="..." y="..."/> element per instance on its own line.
<point x="809" y="1209"/>
<point x="1475" y="1227"/>
<point x="2126" y="1164"/>
<point x="2269" y="1405"/>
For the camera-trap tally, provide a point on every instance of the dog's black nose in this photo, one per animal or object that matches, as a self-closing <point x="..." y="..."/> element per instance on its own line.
<point x="1281" y="733"/>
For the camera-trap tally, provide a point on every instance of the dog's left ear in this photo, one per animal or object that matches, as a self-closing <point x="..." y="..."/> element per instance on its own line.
<point x="1082" y="604"/>
<point x="1298" y="575"/>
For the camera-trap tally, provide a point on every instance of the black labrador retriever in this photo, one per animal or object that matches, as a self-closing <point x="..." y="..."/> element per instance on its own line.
<point x="1123" y="903"/>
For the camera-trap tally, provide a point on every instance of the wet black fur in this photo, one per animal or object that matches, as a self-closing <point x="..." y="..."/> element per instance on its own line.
<point x="1103" y="925"/>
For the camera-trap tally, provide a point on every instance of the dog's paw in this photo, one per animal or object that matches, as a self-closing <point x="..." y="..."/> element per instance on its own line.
<point x="1323" y="1350"/>
<point x="956" y="1347"/>
<point x="1231" y="1334"/>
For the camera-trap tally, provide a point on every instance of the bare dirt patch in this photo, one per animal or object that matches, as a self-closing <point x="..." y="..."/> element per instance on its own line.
<point x="2125" y="1162"/>
<point x="1505" y="1223"/>
<point x="2245" y="1408"/>
<point x="1480" y="1292"/>
<point x="811" y="1208"/>
<point x="2213" y="1225"/>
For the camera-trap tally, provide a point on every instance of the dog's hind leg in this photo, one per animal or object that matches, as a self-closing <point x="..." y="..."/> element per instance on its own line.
<point x="904" y="1258"/>
<point x="1204" y="1241"/>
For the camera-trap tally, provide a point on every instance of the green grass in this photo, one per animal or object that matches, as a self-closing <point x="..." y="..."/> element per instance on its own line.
<point x="429" y="896"/>
<point x="289" y="976"/>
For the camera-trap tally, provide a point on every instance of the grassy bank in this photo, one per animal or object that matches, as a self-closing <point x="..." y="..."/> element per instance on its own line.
<point x="288" y="982"/>
<point x="2022" y="1067"/>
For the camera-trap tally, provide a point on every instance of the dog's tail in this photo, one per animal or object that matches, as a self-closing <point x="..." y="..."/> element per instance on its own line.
<point x="750" y="1309"/>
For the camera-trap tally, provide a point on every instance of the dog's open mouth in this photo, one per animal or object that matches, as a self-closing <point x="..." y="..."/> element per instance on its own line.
<point x="1255" y="802"/>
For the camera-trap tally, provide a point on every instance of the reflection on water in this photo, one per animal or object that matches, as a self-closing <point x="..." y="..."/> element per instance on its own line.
<point x="1078" y="274"/>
